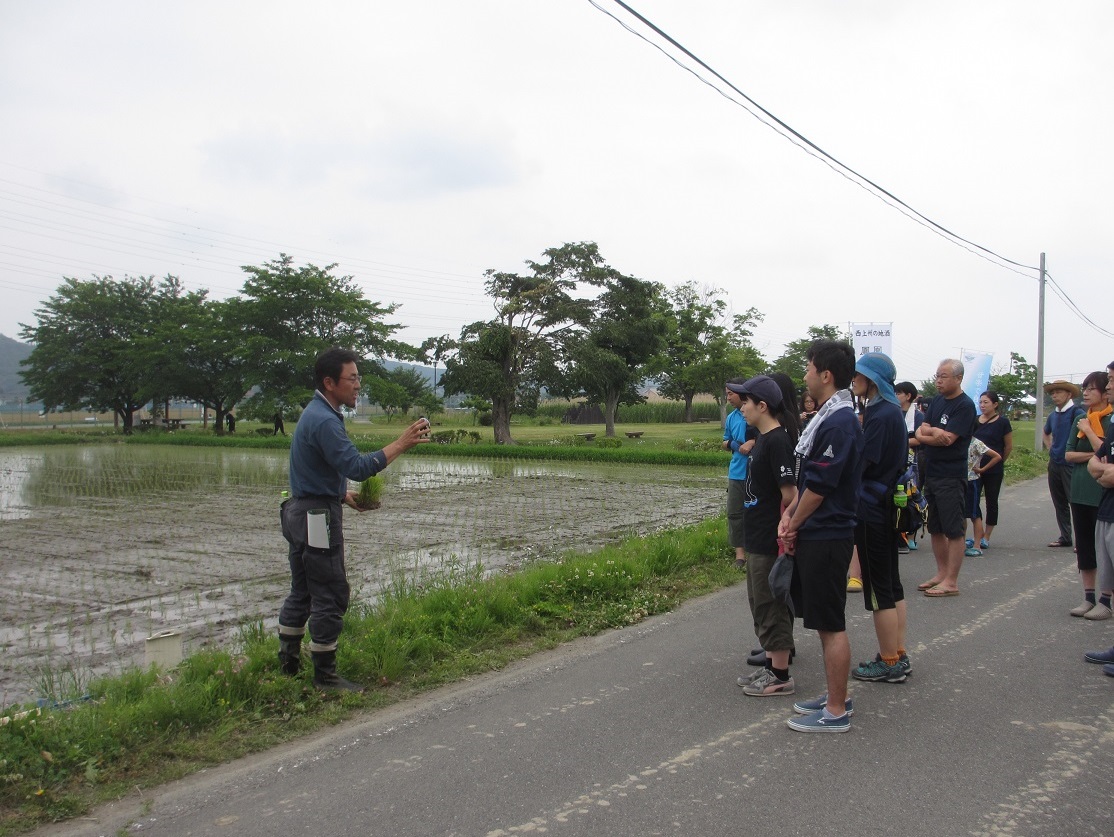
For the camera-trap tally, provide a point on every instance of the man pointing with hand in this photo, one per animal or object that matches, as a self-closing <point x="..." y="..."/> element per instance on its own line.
<point x="322" y="460"/>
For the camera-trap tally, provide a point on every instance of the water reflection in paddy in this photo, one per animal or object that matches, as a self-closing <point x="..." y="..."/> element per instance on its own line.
<point x="109" y="544"/>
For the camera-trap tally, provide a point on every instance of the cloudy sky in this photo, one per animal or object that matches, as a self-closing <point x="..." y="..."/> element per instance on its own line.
<point x="418" y="144"/>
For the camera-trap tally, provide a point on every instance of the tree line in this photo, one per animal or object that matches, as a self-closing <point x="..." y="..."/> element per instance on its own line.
<point x="570" y="325"/>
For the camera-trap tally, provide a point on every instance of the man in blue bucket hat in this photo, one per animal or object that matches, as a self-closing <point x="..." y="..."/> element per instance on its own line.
<point x="885" y="445"/>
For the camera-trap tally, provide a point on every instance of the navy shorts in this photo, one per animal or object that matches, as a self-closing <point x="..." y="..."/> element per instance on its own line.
<point x="822" y="569"/>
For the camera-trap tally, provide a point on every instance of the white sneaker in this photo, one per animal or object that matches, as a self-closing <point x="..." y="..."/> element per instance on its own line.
<point x="1081" y="609"/>
<point x="1098" y="612"/>
<point x="767" y="685"/>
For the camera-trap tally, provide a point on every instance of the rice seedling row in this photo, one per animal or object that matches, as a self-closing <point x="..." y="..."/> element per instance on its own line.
<point x="109" y="545"/>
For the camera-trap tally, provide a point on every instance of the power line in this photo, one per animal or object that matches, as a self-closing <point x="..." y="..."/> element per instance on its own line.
<point x="1060" y="292"/>
<point x="783" y="129"/>
<point x="790" y="133"/>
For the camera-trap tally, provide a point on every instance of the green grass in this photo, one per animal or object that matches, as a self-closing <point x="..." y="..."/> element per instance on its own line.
<point x="146" y="727"/>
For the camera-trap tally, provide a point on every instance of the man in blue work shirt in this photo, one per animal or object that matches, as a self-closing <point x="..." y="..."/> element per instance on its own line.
<point x="322" y="460"/>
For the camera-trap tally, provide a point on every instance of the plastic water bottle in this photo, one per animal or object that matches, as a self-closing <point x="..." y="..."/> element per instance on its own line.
<point x="285" y="495"/>
<point x="900" y="497"/>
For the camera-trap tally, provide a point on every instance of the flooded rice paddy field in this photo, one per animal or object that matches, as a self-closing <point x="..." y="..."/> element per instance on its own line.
<point x="105" y="546"/>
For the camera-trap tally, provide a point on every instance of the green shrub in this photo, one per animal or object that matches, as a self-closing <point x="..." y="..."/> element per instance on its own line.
<point x="698" y="444"/>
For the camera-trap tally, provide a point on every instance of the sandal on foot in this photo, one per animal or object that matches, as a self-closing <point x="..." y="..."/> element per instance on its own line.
<point x="940" y="592"/>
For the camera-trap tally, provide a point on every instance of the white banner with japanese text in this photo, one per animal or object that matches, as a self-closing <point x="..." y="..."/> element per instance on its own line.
<point x="872" y="337"/>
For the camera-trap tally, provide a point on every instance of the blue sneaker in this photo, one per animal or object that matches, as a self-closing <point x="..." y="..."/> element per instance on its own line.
<point x="1108" y="670"/>
<point x="912" y="543"/>
<point x="877" y="671"/>
<point x="807" y="707"/>
<point x="816" y="722"/>
<point x="1103" y="657"/>
<point x="984" y="544"/>
<point x="971" y="552"/>
<point x="970" y="542"/>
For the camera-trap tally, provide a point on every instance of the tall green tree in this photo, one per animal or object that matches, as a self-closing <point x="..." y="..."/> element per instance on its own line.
<point x="705" y="348"/>
<point x="1015" y="382"/>
<point x="794" y="359"/>
<point x="613" y="353"/>
<point x="290" y="314"/>
<point x="92" y="345"/>
<point x="200" y="348"/>
<point x="396" y="391"/>
<point x="509" y="358"/>
<point x="697" y="321"/>
<point x="435" y="350"/>
<point x="733" y="356"/>
<point x="388" y="394"/>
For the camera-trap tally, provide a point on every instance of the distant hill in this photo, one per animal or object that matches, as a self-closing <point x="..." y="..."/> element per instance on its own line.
<point x="11" y="353"/>
<point x="425" y="371"/>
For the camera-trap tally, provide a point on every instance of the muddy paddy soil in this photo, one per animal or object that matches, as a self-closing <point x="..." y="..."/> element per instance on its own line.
<point x="85" y="581"/>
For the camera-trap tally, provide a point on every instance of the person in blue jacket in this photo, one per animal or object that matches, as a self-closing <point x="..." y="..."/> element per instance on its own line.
<point x="322" y="460"/>
<point x="885" y="458"/>
<point x="735" y="440"/>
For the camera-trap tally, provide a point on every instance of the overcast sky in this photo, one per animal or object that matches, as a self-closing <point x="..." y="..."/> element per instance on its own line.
<point x="418" y="144"/>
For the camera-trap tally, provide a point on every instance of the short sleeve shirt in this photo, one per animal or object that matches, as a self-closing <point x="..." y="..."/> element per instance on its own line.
<point x="955" y="415"/>
<point x="773" y="464"/>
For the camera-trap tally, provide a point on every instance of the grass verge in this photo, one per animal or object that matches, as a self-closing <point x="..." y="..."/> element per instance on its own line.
<point x="147" y="727"/>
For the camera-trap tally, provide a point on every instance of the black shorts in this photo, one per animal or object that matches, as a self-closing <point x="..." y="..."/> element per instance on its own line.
<point x="822" y="569"/>
<point x="946" y="498"/>
<point x="877" y="545"/>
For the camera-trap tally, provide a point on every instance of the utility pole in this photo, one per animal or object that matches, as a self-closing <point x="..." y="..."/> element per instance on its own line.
<point x="1038" y="436"/>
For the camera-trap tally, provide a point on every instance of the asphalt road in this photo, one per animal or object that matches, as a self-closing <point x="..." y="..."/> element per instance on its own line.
<point x="1002" y="729"/>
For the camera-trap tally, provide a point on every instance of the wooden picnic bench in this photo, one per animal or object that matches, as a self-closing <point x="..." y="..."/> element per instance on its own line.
<point x="635" y="434"/>
<point x="587" y="437"/>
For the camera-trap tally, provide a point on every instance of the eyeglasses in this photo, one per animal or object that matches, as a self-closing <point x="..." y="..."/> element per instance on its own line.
<point x="353" y="378"/>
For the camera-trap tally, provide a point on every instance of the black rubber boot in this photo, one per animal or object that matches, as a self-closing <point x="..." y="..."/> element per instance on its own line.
<point x="290" y="653"/>
<point x="325" y="674"/>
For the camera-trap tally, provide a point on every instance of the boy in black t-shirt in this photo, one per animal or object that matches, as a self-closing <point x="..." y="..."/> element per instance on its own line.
<point x="770" y="486"/>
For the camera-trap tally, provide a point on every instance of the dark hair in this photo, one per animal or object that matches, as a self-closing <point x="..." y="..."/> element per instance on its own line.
<point x="330" y="363"/>
<point x="833" y="356"/>
<point x="1099" y="380"/>
<point x="906" y="387"/>
<point x="993" y="396"/>
<point x="786" y="414"/>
